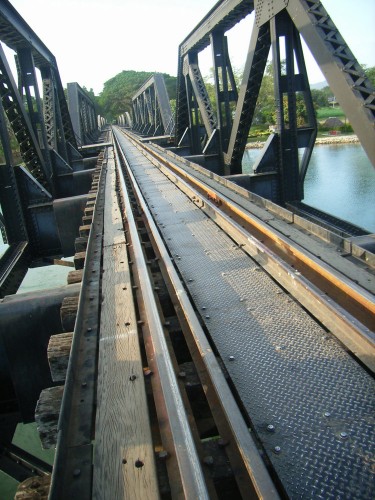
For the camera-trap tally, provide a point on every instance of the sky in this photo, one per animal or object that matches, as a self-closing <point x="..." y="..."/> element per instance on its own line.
<point x="93" y="40"/>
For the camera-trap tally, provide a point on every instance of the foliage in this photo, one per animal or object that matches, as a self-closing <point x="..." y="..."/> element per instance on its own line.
<point x="321" y="97"/>
<point x="328" y="112"/>
<point x="117" y="94"/>
<point x="90" y="94"/>
<point x="370" y="73"/>
<point x="265" y="110"/>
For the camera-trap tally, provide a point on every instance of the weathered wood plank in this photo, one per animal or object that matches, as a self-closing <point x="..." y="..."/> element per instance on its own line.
<point x="124" y="465"/>
<point x="87" y="219"/>
<point x="68" y="313"/>
<point x="84" y="230"/>
<point x="79" y="260"/>
<point x="47" y="413"/>
<point x="89" y="210"/>
<point x="80" y="244"/>
<point x="58" y="353"/>
<point x="75" y="276"/>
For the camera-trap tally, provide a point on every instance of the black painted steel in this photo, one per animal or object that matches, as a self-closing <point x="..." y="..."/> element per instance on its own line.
<point x="83" y="115"/>
<point x="345" y="76"/>
<point x="19" y="464"/>
<point x="224" y="132"/>
<point x="53" y="167"/>
<point x="27" y="322"/>
<point x="72" y="473"/>
<point x="152" y="115"/>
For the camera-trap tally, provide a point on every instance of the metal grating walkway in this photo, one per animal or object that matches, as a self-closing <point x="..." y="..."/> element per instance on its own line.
<point x="311" y="405"/>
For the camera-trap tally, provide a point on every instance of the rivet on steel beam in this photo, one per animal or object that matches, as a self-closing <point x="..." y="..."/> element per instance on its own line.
<point x="84" y="384"/>
<point x="277" y="449"/>
<point x="204" y="308"/>
<point x="343" y="435"/>
<point x="76" y="472"/>
<point x="270" y="428"/>
<point x="327" y="414"/>
<point x="231" y="358"/>
<point x="89" y="329"/>
<point x="207" y="316"/>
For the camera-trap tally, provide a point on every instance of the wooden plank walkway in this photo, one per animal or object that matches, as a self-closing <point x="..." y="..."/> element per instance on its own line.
<point x="124" y="466"/>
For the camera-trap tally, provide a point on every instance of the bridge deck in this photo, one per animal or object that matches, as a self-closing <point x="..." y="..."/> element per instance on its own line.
<point x="309" y="402"/>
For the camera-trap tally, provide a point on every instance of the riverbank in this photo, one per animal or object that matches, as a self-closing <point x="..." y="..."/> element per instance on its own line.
<point x="329" y="139"/>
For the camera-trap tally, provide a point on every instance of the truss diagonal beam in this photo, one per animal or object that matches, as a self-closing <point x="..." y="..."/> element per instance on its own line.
<point x="259" y="48"/>
<point x="21" y="125"/>
<point x="345" y="76"/>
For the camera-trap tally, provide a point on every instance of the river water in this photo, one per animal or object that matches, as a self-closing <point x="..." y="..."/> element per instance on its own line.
<point x="340" y="180"/>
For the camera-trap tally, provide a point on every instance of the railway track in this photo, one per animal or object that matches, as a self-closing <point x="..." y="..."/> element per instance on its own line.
<point x="257" y="354"/>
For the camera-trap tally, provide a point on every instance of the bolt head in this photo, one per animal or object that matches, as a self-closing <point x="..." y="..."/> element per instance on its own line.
<point x="277" y="449"/>
<point x="270" y="428"/>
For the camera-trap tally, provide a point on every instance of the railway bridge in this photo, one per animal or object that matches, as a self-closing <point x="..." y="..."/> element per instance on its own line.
<point x="216" y="337"/>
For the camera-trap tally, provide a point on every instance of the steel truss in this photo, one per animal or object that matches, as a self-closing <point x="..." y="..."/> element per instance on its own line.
<point x="125" y="120"/>
<point x="152" y="115"/>
<point x="83" y="115"/>
<point x="33" y="196"/>
<point x="222" y="128"/>
<point x="41" y="205"/>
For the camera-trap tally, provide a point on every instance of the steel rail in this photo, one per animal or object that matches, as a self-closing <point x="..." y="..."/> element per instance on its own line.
<point x="254" y="465"/>
<point x="72" y="471"/>
<point x="354" y="334"/>
<point x="192" y="478"/>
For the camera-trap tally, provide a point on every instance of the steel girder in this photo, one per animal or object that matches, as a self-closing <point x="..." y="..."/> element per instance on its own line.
<point x="152" y="113"/>
<point x="285" y="158"/>
<point x="83" y="115"/>
<point x="125" y="120"/>
<point x="345" y="76"/>
<point x="30" y="221"/>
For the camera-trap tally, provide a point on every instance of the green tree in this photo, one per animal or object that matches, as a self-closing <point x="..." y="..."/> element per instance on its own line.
<point x="265" y="107"/>
<point x="370" y="73"/>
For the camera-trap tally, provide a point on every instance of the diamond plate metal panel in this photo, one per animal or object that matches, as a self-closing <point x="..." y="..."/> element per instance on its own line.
<point x="311" y="405"/>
